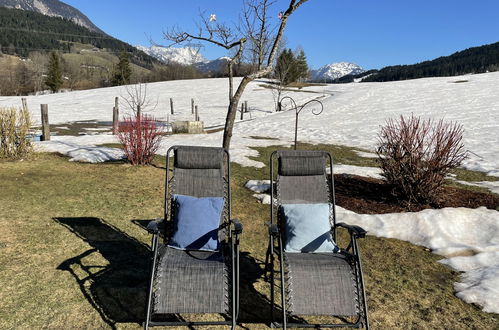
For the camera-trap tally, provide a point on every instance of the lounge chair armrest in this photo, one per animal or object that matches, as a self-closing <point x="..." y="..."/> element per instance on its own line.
<point x="273" y="229"/>
<point x="353" y="230"/>
<point x="238" y="226"/>
<point x="153" y="226"/>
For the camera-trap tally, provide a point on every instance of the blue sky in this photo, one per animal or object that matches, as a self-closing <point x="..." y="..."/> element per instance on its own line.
<point x="370" y="33"/>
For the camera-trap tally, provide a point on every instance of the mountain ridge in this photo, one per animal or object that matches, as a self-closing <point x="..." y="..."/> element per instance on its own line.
<point x="334" y="71"/>
<point x="185" y="56"/>
<point x="53" y="8"/>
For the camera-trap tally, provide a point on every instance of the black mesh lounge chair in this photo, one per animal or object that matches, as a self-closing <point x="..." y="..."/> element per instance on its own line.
<point x="313" y="283"/>
<point x="187" y="281"/>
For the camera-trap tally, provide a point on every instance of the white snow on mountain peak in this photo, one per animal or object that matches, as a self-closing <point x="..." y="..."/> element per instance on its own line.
<point x="335" y="71"/>
<point x="185" y="55"/>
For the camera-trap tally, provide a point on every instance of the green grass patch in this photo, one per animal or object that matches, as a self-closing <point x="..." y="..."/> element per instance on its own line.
<point x="341" y="154"/>
<point x="467" y="175"/>
<point x="74" y="252"/>
<point x="80" y="127"/>
<point x="111" y="145"/>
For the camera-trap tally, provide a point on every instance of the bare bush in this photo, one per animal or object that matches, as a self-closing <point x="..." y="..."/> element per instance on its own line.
<point x="14" y="130"/>
<point x="416" y="155"/>
<point x="141" y="137"/>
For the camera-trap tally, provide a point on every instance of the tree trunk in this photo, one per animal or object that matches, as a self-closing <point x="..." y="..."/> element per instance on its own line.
<point x="232" y="112"/>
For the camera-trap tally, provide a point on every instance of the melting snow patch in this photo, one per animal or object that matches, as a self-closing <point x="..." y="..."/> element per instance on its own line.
<point x="371" y="172"/>
<point x="263" y="198"/>
<point x="82" y="148"/>
<point x="480" y="281"/>
<point x="259" y="186"/>
<point x="448" y="232"/>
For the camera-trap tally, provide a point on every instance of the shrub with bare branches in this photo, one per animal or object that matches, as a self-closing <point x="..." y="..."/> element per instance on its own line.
<point x="416" y="155"/>
<point x="141" y="137"/>
<point x="14" y="130"/>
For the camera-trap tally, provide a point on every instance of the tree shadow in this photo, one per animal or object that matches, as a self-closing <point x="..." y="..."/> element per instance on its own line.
<point x="117" y="290"/>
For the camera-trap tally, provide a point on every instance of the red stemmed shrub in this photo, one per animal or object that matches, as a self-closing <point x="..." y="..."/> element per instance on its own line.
<point x="416" y="155"/>
<point x="140" y="136"/>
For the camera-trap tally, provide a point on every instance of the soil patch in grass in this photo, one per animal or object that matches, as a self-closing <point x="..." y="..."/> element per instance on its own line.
<point x="373" y="196"/>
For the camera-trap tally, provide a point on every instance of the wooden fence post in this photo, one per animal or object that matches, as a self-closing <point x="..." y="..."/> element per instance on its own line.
<point x="245" y="106"/>
<point x="25" y="104"/>
<point x="192" y="106"/>
<point x="116" y="116"/>
<point x="45" y="123"/>
<point x="242" y="111"/>
<point x="196" y="115"/>
<point x="171" y="105"/>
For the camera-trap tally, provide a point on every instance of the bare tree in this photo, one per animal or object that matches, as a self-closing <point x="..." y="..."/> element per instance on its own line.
<point x="255" y="25"/>
<point x="137" y="99"/>
<point x="39" y="63"/>
<point x="232" y="39"/>
<point x="278" y="85"/>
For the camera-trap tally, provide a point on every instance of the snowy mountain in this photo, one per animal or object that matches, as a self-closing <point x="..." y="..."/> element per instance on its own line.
<point x="213" y="65"/>
<point x="186" y="55"/>
<point x="52" y="8"/>
<point x="335" y="71"/>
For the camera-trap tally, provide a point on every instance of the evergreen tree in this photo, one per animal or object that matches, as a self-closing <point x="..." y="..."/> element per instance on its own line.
<point x="285" y="67"/>
<point x="122" y="71"/>
<point x="301" y="66"/>
<point x="54" y="75"/>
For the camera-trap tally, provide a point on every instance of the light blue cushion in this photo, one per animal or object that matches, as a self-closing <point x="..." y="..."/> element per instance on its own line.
<point x="307" y="228"/>
<point x="196" y="222"/>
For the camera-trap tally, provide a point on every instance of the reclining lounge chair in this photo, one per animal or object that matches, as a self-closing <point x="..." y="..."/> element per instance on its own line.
<point x="315" y="277"/>
<point x="201" y="275"/>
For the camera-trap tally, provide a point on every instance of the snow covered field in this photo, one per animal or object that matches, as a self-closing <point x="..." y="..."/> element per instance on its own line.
<point x="352" y="113"/>
<point x="352" y="116"/>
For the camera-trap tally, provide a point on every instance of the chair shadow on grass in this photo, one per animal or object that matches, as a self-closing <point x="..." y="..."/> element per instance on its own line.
<point x="117" y="288"/>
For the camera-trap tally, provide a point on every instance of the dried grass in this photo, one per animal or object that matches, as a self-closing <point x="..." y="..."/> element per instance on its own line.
<point x="14" y="133"/>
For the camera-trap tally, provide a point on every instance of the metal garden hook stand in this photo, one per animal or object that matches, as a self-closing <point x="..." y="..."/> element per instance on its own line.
<point x="299" y="109"/>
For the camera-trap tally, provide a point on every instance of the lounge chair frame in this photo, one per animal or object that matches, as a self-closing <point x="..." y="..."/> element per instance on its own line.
<point x="233" y="230"/>
<point x="275" y="251"/>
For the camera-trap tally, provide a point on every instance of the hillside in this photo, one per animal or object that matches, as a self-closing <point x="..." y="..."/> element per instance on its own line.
<point x="472" y="60"/>
<point x="24" y="32"/>
<point x="53" y="8"/>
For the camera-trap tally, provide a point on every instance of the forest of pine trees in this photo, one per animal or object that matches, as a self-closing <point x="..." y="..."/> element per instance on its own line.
<point x="291" y="67"/>
<point x="472" y="60"/>
<point x="22" y="32"/>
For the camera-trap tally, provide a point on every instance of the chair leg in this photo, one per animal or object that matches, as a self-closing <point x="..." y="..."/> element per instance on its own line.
<point x="272" y="297"/>
<point x="283" y="284"/>
<point x="233" y="285"/>
<point x="154" y="246"/>
<point x="266" y="268"/>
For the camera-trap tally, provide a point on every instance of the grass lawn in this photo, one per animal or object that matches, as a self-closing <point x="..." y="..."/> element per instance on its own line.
<point x="74" y="251"/>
